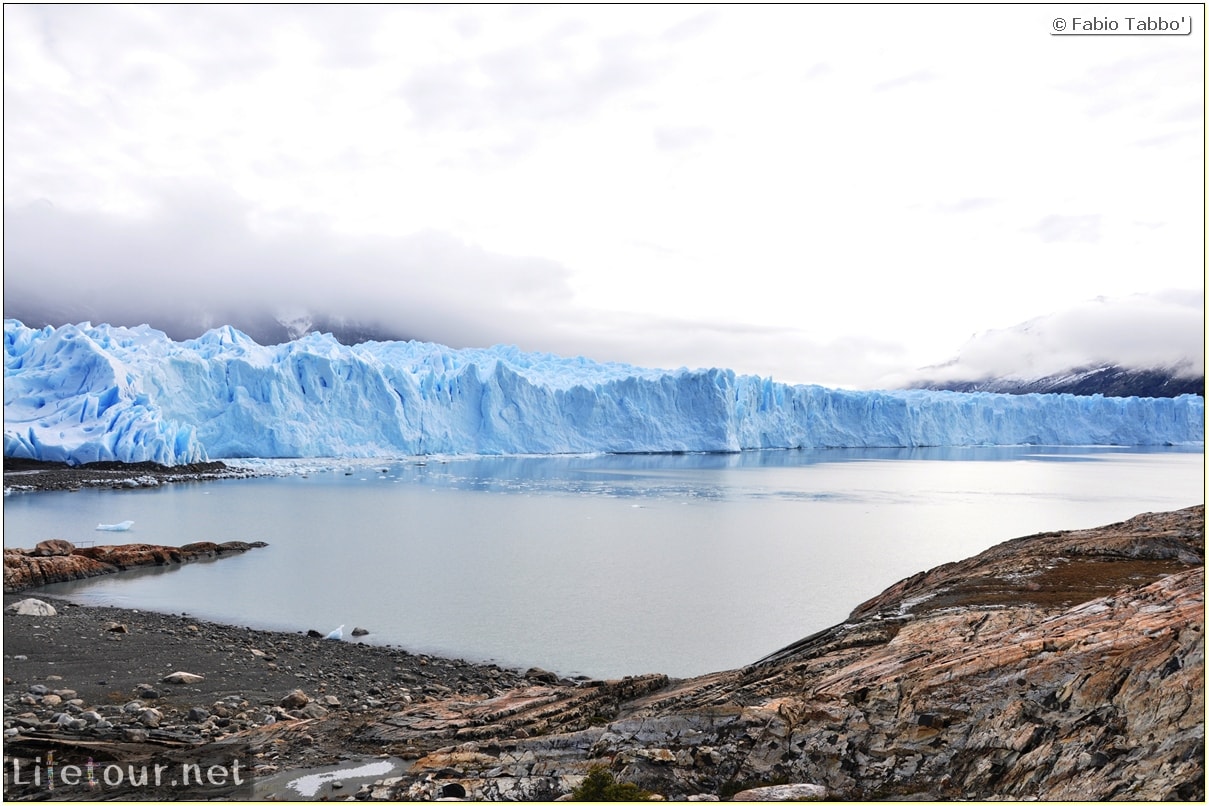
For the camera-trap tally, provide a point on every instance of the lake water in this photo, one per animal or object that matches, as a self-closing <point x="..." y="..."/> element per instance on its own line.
<point x="597" y="565"/>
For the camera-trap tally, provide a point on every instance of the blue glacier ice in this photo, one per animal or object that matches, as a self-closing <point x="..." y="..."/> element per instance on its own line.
<point x="80" y="393"/>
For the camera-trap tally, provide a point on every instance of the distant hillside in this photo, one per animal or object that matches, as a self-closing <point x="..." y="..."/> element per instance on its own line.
<point x="1107" y="380"/>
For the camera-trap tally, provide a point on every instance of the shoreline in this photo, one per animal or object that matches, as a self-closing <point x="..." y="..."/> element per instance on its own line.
<point x="35" y="475"/>
<point x="1023" y="623"/>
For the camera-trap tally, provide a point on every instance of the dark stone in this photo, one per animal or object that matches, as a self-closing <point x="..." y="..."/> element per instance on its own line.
<point x="233" y="545"/>
<point x="539" y="675"/>
<point x="453" y="791"/>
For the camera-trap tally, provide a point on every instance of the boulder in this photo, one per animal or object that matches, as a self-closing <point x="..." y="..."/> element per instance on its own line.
<point x="181" y="678"/>
<point x="295" y="699"/>
<point x="312" y="710"/>
<point x="539" y="675"/>
<point x="31" y="607"/>
<point x="783" y="792"/>
<point x="53" y="548"/>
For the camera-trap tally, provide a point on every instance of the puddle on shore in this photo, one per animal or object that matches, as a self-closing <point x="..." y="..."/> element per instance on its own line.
<point x="332" y="782"/>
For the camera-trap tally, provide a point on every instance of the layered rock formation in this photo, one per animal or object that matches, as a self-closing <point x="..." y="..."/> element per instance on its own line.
<point x="61" y="561"/>
<point x="1063" y="666"/>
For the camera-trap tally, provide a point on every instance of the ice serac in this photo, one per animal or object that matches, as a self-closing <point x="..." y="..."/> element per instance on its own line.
<point x="80" y="393"/>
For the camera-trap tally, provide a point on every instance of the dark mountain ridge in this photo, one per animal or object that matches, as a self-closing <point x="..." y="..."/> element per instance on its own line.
<point x="1108" y="380"/>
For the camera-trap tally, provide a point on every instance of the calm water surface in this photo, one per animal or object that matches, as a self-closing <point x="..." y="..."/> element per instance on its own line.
<point x="602" y="565"/>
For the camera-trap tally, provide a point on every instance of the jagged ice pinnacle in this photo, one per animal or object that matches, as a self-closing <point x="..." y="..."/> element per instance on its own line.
<point x="80" y="393"/>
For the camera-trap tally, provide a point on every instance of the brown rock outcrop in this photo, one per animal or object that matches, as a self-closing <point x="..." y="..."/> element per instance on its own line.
<point x="1063" y="666"/>
<point x="530" y="710"/>
<point x="53" y="548"/>
<point x="32" y="568"/>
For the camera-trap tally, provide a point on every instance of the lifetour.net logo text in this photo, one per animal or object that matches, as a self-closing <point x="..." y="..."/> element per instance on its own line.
<point x="212" y="775"/>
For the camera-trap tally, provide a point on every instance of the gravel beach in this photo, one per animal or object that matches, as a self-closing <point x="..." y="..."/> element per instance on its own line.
<point x="90" y="681"/>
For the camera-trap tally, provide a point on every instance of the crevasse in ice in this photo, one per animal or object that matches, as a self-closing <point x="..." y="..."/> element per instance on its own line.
<point x="83" y="393"/>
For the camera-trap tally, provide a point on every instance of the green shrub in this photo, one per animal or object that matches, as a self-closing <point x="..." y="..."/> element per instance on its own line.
<point x="600" y="785"/>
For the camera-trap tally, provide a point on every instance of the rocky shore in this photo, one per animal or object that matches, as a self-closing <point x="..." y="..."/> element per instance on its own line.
<point x="62" y="561"/>
<point x="29" y="475"/>
<point x="1062" y="666"/>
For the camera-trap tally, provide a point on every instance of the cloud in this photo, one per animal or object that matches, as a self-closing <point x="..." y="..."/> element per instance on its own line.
<point x="1143" y="331"/>
<point x="970" y="205"/>
<point x="198" y="257"/>
<point x="531" y="84"/>
<point x="918" y="77"/>
<point x="1079" y="228"/>
<point x="673" y="138"/>
<point x="199" y="261"/>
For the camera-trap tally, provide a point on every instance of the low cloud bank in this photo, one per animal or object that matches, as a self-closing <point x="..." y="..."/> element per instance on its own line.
<point x="1143" y="331"/>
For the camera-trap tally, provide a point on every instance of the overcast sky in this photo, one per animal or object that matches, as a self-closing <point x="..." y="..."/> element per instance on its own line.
<point x="829" y="195"/>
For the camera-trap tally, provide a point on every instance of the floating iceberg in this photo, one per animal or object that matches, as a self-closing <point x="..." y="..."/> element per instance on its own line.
<point x="124" y="526"/>
<point x="80" y="393"/>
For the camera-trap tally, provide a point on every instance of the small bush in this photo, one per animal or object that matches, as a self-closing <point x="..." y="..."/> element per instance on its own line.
<point x="600" y="785"/>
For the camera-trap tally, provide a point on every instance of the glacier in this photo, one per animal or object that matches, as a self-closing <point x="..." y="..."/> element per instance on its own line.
<point x="84" y="393"/>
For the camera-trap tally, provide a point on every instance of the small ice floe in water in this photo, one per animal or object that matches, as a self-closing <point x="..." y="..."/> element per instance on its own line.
<point x="336" y="634"/>
<point x="124" y="526"/>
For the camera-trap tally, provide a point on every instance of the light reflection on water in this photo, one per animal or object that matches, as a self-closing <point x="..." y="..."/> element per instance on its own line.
<point x="600" y="565"/>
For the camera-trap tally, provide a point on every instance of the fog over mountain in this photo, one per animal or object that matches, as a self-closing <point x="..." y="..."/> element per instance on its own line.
<point x="1147" y="345"/>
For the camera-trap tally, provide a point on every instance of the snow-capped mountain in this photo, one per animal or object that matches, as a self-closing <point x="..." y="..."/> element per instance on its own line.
<point x="84" y="393"/>
<point x="1112" y="381"/>
<point x="1144" y="346"/>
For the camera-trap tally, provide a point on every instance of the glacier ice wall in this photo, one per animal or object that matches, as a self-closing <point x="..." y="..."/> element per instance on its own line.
<point x="80" y="393"/>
